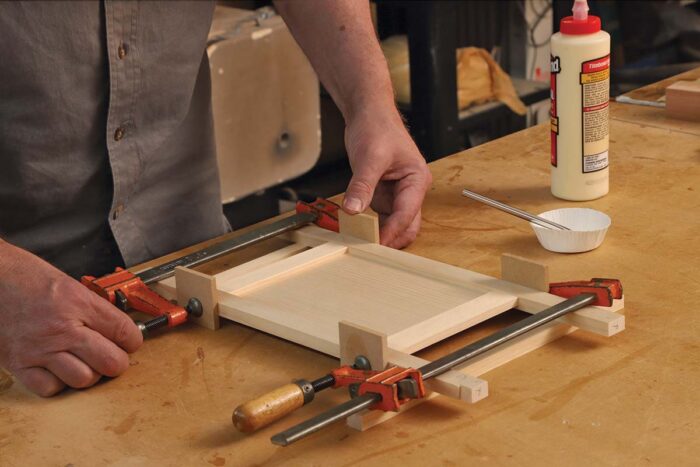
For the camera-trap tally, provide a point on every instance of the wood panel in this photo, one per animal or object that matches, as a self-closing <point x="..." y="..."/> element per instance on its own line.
<point x="443" y="325"/>
<point x="383" y="300"/>
<point x="347" y="288"/>
<point x="282" y="270"/>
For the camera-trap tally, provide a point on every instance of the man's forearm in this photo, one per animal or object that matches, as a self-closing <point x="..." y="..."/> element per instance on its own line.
<point x="339" y="39"/>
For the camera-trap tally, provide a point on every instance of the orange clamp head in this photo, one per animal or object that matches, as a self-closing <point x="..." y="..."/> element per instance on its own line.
<point x="326" y="212"/>
<point x="127" y="291"/>
<point x="107" y="285"/>
<point x="385" y="383"/>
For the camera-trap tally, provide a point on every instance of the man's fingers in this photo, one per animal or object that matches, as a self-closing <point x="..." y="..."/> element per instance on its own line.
<point x="406" y="236"/>
<point x="360" y="190"/>
<point x="410" y="234"/>
<point x="71" y="370"/>
<point x="101" y="354"/>
<point x="409" y="193"/>
<point x="383" y="199"/>
<point x="39" y="381"/>
<point x="114" y="324"/>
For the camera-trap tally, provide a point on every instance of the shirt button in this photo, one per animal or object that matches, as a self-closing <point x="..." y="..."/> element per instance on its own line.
<point x="117" y="211"/>
<point x="119" y="133"/>
<point x="121" y="51"/>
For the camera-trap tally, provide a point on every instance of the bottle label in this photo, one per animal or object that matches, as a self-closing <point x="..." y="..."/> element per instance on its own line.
<point x="555" y="68"/>
<point x="595" y="97"/>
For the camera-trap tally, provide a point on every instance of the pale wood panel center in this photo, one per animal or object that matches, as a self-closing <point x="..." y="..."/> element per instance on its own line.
<point x="348" y="288"/>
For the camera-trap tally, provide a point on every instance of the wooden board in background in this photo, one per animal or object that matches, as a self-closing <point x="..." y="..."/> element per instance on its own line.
<point x="655" y="91"/>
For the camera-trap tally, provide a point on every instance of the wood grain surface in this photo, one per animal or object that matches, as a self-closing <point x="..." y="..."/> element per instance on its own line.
<point x="630" y="399"/>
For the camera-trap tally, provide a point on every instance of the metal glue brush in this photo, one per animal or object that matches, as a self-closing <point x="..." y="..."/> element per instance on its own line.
<point x="541" y="221"/>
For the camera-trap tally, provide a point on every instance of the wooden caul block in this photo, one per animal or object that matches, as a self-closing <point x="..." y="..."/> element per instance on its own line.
<point x="344" y="295"/>
<point x="357" y="340"/>
<point x="192" y="284"/>
<point x="364" y="226"/>
<point x="683" y="100"/>
<point x="523" y="271"/>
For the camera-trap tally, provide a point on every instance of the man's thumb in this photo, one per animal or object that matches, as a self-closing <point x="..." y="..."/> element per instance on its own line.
<point x="359" y="194"/>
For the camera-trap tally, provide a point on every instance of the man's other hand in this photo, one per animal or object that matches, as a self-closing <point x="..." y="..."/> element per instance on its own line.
<point x="54" y="332"/>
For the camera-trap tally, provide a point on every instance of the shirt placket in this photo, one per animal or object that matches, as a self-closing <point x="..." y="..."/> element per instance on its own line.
<point x="121" y="20"/>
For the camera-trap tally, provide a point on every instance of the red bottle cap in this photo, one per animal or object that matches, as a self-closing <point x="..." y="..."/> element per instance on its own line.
<point x="569" y="25"/>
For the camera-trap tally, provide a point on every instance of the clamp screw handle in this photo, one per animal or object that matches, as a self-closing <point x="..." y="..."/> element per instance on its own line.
<point x="194" y="307"/>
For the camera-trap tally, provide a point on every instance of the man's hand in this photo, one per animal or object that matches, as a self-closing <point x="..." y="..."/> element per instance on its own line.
<point x="339" y="39"/>
<point x="54" y="332"/>
<point x="389" y="174"/>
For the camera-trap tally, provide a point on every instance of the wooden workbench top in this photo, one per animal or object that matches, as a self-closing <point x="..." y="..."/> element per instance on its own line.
<point x="631" y="399"/>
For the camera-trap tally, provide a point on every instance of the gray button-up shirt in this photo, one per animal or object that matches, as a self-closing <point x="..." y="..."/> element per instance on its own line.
<point x="106" y="136"/>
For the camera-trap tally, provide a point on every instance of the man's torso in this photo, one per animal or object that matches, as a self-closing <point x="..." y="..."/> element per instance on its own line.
<point x="106" y="137"/>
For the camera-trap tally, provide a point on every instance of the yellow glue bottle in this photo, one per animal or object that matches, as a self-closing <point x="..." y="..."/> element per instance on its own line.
<point x="580" y="93"/>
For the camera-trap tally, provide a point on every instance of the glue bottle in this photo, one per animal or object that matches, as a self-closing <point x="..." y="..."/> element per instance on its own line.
<point x="580" y="92"/>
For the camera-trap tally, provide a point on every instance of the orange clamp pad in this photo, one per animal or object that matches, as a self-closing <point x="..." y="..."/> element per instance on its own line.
<point x="384" y="383"/>
<point x="138" y="296"/>
<point x="347" y="375"/>
<point x="614" y="285"/>
<point x="327" y="212"/>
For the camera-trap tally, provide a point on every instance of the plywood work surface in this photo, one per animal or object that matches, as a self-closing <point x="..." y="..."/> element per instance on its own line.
<point x="582" y="400"/>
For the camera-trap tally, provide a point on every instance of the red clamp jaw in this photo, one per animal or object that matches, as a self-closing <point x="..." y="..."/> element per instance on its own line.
<point x="396" y="385"/>
<point x="326" y="212"/>
<point x="606" y="290"/>
<point x="126" y="291"/>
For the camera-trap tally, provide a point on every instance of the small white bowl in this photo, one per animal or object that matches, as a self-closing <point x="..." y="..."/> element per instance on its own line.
<point x="588" y="228"/>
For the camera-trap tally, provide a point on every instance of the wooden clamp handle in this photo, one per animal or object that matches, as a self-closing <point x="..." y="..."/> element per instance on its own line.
<point x="268" y="408"/>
